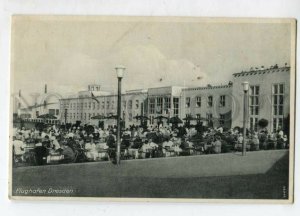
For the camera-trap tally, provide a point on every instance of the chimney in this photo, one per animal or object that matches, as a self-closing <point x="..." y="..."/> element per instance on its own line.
<point x="45" y="88"/>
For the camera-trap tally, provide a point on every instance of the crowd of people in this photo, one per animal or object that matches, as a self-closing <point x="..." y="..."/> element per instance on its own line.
<point x="80" y="143"/>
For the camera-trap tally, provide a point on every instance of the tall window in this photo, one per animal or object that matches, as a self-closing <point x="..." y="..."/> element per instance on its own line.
<point x="103" y="105"/>
<point x="124" y="104"/>
<point x="198" y="116"/>
<point x="176" y="106"/>
<point x="254" y="107"/>
<point x="159" y="103"/>
<point x="130" y="104"/>
<point x="94" y="105"/>
<point x="152" y="105"/>
<point x="222" y="119"/>
<point x="210" y="101"/>
<point x="130" y="116"/>
<point x="107" y="104"/>
<point x="167" y="105"/>
<point x="198" y="101"/>
<point x="137" y="104"/>
<point x="52" y="111"/>
<point x="187" y="102"/>
<point x="112" y="104"/>
<point x="222" y="100"/>
<point x="277" y="104"/>
<point x="254" y="100"/>
<point x="209" y="118"/>
<point x="253" y="123"/>
<point x="90" y="105"/>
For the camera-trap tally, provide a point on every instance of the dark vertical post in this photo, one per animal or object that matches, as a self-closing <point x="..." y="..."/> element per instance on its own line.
<point x="245" y="120"/>
<point x="66" y="114"/>
<point x="119" y="121"/>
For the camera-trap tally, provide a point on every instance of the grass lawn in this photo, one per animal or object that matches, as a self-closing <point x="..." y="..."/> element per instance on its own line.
<point x="258" y="175"/>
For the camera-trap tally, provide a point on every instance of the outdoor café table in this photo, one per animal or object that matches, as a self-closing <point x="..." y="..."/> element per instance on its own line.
<point x="54" y="157"/>
<point x="133" y="152"/>
<point x="169" y="151"/>
<point x="190" y="150"/>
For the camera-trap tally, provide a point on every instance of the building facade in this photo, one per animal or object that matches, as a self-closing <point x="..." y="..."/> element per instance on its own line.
<point x="221" y="105"/>
<point x="31" y="106"/>
<point x="210" y="105"/>
<point x="163" y="103"/>
<point x="95" y="102"/>
<point x="269" y="97"/>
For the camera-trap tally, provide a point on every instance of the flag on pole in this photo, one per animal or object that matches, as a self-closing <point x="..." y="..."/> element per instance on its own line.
<point x="94" y="98"/>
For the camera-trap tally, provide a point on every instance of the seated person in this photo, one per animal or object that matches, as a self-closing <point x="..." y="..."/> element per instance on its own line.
<point x="145" y="150"/>
<point x="167" y="145"/>
<point x="177" y="149"/>
<point x="91" y="151"/>
<point x="137" y="143"/>
<point x="125" y="140"/>
<point x="68" y="153"/>
<point x="152" y="144"/>
<point x="55" y="143"/>
<point x="46" y="142"/>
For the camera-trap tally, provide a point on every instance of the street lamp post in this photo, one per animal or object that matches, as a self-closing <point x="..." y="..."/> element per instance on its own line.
<point x="66" y="115"/>
<point x="120" y="72"/>
<point x="245" y="116"/>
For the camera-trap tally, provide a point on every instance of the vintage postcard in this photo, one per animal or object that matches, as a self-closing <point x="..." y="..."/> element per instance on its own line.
<point x="152" y="108"/>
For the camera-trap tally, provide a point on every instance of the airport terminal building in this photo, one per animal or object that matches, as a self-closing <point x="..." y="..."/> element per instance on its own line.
<point x="220" y="105"/>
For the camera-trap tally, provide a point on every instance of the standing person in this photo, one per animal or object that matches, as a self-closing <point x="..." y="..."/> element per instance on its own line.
<point x="240" y="142"/>
<point x="111" y="143"/>
<point x="18" y="148"/>
<point x="285" y="141"/>
<point x="255" y="142"/>
<point x="111" y="140"/>
<point x="217" y="145"/>
<point x="40" y="152"/>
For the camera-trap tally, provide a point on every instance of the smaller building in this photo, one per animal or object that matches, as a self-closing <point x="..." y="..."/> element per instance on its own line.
<point x="210" y="105"/>
<point x="94" y="102"/>
<point x="30" y="106"/>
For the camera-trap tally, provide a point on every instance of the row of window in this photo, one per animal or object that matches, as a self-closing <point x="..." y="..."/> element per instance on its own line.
<point x="277" y="106"/>
<point x="102" y="105"/>
<point x="162" y="105"/>
<point x="198" y="101"/>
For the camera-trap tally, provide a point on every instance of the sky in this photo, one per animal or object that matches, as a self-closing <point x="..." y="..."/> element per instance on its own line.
<point x="68" y="53"/>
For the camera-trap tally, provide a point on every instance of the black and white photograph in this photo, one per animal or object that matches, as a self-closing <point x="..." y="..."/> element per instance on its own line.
<point x="152" y="108"/>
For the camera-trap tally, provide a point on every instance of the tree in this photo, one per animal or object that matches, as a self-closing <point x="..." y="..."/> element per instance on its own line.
<point x="263" y="123"/>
